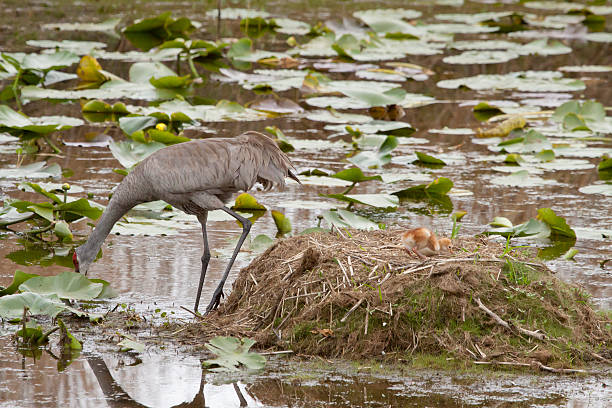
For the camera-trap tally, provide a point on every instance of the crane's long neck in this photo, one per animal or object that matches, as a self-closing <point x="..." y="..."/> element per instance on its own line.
<point x="122" y="201"/>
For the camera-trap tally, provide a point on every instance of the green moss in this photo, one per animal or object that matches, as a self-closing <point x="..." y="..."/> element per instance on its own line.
<point x="302" y="330"/>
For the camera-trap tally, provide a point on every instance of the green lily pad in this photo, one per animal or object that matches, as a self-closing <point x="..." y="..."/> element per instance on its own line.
<point x="283" y="225"/>
<point x="67" y="285"/>
<point x="129" y="344"/>
<point x="501" y="222"/>
<point x="42" y="124"/>
<point x="604" y="189"/>
<point x="586" y="68"/>
<point x="32" y="170"/>
<point x="481" y="57"/>
<point x="525" y="81"/>
<point x="248" y="203"/>
<point x="260" y="243"/>
<point x="232" y="354"/>
<point x="355" y="175"/>
<point x="427" y="159"/>
<point x="231" y="13"/>
<point x="105" y="26"/>
<point x="521" y="178"/>
<point x="558" y="225"/>
<point x="346" y="219"/>
<point x="18" y="279"/>
<point x="75" y="47"/>
<point x="129" y="153"/>
<point x="378" y="158"/>
<point x="11" y="306"/>
<point x="439" y="187"/>
<point x="532" y="228"/>
<point x="373" y="200"/>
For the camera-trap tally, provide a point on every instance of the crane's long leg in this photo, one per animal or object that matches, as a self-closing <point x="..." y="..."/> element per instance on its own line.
<point x="205" y="258"/>
<point x="246" y="227"/>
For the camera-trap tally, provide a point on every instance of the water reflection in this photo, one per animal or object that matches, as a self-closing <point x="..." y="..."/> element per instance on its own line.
<point x="120" y="380"/>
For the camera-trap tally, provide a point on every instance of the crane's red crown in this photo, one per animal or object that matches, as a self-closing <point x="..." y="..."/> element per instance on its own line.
<point x="75" y="261"/>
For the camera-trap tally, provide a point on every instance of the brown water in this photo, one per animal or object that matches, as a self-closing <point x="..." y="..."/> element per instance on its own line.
<point x="162" y="272"/>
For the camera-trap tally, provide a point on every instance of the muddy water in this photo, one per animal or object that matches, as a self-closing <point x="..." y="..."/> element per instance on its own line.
<point x="161" y="272"/>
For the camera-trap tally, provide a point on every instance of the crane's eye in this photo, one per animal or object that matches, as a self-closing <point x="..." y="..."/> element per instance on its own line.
<point x="75" y="261"/>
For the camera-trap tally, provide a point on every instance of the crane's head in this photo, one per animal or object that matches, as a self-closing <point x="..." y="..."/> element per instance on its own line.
<point x="75" y="261"/>
<point x="446" y="245"/>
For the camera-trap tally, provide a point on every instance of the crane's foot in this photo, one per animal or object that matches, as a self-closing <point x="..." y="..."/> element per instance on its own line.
<point x="216" y="300"/>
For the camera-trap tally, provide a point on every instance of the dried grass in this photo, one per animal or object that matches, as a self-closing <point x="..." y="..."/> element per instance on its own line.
<point x="359" y="294"/>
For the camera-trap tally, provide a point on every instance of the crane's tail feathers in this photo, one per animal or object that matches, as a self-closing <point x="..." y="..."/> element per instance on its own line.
<point x="293" y="177"/>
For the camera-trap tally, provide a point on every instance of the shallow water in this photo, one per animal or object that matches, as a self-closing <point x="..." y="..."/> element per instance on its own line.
<point x="161" y="272"/>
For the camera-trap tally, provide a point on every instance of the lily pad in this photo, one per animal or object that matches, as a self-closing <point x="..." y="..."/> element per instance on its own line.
<point x="346" y="219"/>
<point x="521" y="178"/>
<point x="604" y="189"/>
<point x="373" y="200"/>
<point x="283" y="225"/>
<point x="67" y="285"/>
<point x="248" y="203"/>
<point x="129" y="153"/>
<point x="11" y="306"/>
<point x="129" y="344"/>
<point x="232" y="354"/>
<point x="32" y="170"/>
<point x="378" y="158"/>
<point x="525" y="81"/>
<point x="18" y="279"/>
<point x="558" y="226"/>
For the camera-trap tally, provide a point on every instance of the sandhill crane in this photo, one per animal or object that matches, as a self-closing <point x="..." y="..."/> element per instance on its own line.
<point x="196" y="177"/>
<point x="422" y="241"/>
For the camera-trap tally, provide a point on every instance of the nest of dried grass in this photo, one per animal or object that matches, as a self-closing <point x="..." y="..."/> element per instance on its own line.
<point x="359" y="294"/>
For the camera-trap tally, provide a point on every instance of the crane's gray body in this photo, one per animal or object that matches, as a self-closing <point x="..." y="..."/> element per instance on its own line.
<point x="196" y="177"/>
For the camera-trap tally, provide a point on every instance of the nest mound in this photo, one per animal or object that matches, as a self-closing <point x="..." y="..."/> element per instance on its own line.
<point x="360" y="295"/>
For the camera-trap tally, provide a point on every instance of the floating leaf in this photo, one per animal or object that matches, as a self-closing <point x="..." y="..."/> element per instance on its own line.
<point x="129" y="344"/>
<point x="62" y="230"/>
<point x="558" y="226"/>
<point x="11" y="306"/>
<point x="260" y="243"/>
<point x="374" y="200"/>
<point x="68" y="341"/>
<point x="67" y="285"/>
<point x="246" y="202"/>
<point x="355" y="175"/>
<point x="232" y="354"/>
<point x="603" y="189"/>
<point x="18" y="279"/>
<point x="501" y="222"/>
<point x="346" y="219"/>
<point x="283" y="225"/>
<point x="427" y="159"/>
<point x="504" y="128"/>
<point x="129" y="153"/>
<point x="377" y="158"/>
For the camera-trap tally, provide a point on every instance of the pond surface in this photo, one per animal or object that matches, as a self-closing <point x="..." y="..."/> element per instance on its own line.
<point x="154" y="271"/>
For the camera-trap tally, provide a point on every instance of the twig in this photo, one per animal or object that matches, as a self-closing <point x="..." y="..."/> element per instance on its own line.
<point x="560" y="370"/>
<point x="270" y="353"/>
<point x="252" y="277"/>
<point x="597" y="356"/>
<point x="193" y="313"/>
<point x="367" y="319"/>
<point x="343" y="270"/>
<point x="502" y="322"/>
<point x="348" y="260"/>
<point x="351" y="310"/>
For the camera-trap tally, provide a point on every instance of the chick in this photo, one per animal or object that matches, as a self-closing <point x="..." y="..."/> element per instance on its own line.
<point x="422" y="241"/>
